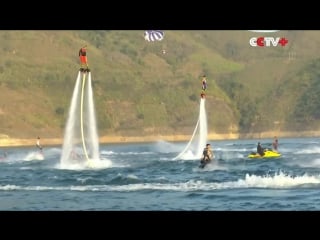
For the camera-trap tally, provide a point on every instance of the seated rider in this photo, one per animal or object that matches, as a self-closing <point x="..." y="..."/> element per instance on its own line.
<point x="260" y="149"/>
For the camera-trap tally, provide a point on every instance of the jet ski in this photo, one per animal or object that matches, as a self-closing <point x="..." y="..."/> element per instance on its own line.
<point x="267" y="154"/>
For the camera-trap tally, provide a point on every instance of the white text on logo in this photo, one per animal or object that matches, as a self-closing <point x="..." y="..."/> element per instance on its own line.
<point x="267" y="41"/>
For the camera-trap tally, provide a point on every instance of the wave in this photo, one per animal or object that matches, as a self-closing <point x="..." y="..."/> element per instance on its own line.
<point x="279" y="180"/>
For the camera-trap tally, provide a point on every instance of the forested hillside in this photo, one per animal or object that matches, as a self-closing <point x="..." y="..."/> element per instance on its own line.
<point x="147" y="88"/>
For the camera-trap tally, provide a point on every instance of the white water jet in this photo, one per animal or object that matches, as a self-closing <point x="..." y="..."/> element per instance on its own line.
<point x="199" y="137"/>
<point x="81" y="141"/>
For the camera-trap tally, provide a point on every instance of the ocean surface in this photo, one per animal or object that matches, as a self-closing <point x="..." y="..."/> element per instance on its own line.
<point x="144" y="177"/>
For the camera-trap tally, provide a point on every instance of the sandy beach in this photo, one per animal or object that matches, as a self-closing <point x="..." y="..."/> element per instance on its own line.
<point x="6" y="141"/>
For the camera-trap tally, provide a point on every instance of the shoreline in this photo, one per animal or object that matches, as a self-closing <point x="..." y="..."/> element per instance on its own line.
<point x="6" y="141"/>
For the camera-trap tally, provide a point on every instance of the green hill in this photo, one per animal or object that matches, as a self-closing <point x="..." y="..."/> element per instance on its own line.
<point x="140" y="90"/>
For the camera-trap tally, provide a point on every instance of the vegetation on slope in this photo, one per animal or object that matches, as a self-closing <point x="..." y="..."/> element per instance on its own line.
<point x="139" y="90"/>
